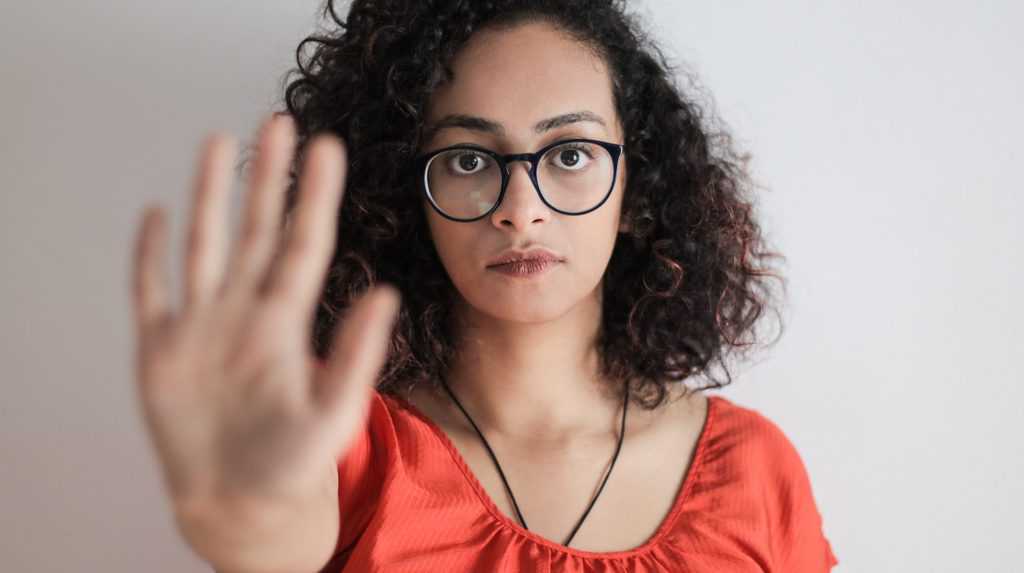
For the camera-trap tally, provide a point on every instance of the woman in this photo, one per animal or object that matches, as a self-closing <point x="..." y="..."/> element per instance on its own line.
<point x="569" y="244"/>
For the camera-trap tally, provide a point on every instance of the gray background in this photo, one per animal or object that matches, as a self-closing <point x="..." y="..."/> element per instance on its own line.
<point x="887" y="135"/>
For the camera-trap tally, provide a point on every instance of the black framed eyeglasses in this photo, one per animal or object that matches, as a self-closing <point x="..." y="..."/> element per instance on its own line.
<point x="467" y="182"/>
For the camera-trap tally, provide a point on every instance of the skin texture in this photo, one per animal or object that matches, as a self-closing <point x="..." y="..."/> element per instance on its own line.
<point x="527" y="364"/>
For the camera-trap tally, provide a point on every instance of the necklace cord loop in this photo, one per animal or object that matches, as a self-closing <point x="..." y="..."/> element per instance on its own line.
<point x="490" y="452"/>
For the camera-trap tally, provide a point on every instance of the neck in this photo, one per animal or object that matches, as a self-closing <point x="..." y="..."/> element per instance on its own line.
<point x="535" y="382"/>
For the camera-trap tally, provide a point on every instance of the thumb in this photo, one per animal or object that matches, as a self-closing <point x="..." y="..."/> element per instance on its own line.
<point x="358" y="351"/>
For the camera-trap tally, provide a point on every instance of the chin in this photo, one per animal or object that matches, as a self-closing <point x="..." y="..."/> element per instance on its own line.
<point x="526" y="306"/>
<point x="529" y="308"/>
<point x="533" y="315"/>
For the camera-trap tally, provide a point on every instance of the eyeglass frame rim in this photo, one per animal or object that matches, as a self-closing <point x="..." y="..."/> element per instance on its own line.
<point x="421" y="161"/>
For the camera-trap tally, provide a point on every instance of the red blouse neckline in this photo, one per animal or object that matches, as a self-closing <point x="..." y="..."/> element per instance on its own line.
<point x="682" y="494"/>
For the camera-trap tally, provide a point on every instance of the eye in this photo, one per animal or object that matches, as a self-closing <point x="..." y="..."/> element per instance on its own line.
<point x="572" y="156"/>
<point x="466" y="162"/>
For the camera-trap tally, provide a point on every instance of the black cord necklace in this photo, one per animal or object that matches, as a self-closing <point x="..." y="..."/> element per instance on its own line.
<point x="519" y="514"/>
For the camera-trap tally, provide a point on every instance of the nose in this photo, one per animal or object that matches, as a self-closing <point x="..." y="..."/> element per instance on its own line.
<point x="521" y="206"/>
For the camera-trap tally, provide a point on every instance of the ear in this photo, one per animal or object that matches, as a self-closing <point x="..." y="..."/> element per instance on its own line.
<point x="624" y="226"/>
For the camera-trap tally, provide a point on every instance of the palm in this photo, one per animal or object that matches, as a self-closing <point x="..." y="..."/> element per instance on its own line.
<point x="231" y="397"/>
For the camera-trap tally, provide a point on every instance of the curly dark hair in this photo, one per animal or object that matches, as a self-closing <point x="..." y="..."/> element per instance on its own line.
<point x="685" y="285"/>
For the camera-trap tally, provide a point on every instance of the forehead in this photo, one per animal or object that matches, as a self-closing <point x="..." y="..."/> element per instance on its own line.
<point x="521" y="75"/>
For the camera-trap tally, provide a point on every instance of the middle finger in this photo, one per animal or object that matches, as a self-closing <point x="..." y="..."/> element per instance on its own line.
<point x="261" y="226"/>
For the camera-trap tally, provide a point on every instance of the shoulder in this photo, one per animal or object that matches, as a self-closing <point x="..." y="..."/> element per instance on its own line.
<point x="753" y="448"/>
<point x="749" y="434"/>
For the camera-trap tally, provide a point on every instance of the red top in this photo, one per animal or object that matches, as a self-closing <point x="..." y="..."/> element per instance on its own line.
<point x="409" y="503"/>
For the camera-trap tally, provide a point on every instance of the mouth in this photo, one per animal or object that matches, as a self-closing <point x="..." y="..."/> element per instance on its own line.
<point x="525" y="268"/>
<point x="533" y="254"/>
<point x="525" y="263"/>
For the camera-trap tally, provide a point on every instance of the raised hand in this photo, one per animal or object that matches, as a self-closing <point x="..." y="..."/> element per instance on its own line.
<point x="238" y="412"/>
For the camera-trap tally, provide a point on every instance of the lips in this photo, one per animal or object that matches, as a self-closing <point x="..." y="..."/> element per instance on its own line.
<point x="523" y="269"/>
<point x="531" y="256"/>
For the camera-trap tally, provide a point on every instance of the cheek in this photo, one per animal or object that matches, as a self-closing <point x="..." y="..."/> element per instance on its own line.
<point x="597" y="240"/>
<point x="595" y="243"/>
<point x="453" y="243"/>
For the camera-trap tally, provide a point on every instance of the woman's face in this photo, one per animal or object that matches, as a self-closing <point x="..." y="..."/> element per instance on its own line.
<point x="516" y="79"/>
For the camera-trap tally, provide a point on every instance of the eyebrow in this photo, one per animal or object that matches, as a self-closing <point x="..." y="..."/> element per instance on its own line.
<point x="476" y="123"/>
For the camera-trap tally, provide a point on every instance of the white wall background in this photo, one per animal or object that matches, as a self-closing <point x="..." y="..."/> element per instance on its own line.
<point x="887" y="133"/>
